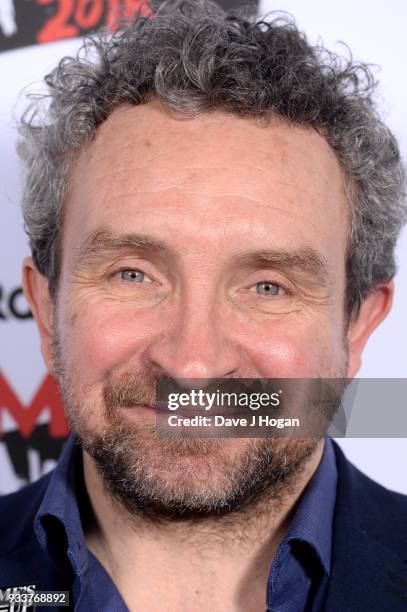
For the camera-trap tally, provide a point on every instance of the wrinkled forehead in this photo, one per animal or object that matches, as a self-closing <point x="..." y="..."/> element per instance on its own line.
<point x="148" y="137"/>
<point x="146" y="168"/>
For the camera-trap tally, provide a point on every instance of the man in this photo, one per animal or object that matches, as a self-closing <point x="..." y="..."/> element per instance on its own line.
<point x="207" y="197"/>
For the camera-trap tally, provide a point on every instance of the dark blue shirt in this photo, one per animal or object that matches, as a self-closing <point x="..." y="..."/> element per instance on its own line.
<point x="298" y="576"/>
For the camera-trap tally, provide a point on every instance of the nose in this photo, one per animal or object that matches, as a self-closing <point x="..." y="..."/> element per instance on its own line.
<point x="196" y="342"/>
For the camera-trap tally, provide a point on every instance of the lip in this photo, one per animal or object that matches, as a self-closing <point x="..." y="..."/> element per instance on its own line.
<point x="161" y="408"/>
<point x="185" y="413"/>
<point x="137" y="406"/>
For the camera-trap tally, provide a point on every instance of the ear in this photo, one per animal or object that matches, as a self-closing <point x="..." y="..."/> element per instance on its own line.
<point x="36" y="291"/>
<point x="374" y="309"/>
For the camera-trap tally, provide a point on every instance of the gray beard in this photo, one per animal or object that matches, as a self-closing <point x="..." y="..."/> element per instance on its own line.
<point x="265" y="469"/>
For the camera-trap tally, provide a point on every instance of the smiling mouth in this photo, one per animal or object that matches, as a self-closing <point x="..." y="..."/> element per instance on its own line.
<point x="161" y="409"/>
<point x="139" y="405"/>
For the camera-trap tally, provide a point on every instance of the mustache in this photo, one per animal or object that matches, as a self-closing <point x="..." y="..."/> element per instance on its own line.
<point x="149" y="387"/>
<point x="138" y="389"/>
<point x="315" y="401"/>
<point x="131" y="390"/>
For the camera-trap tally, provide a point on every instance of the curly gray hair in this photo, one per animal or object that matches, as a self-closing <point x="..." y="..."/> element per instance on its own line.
<point x="195" y="58"/>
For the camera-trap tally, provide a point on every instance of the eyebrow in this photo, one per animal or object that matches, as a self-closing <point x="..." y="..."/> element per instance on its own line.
<point x="305" y="260"/>
<point x="104" y="241"/>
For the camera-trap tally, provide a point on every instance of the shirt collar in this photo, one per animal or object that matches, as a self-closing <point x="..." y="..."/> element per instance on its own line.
<point x="313" y="519"/>
<point x="61" y="502"/>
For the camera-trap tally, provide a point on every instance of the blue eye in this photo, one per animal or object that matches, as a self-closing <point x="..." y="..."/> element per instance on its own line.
<point x="134" y="276"/>
<point x="267" y="288"/>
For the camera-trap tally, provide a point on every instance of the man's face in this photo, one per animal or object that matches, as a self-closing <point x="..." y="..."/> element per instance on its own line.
<point x="204" y="248"/>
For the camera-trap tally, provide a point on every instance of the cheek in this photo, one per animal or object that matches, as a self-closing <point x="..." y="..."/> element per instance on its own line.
<point x="295" y="351"/>
<point x="101" y="339"/>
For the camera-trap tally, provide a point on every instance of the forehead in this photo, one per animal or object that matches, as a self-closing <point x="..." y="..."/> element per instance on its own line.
<point x="214" y="176"/>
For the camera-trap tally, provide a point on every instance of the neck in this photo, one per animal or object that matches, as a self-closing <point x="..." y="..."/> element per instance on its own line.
<point x="185" y="557"/>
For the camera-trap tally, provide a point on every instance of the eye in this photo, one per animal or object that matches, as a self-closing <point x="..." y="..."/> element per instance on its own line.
<point x="267" y="288"/>
<point x="133" y="276"/>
